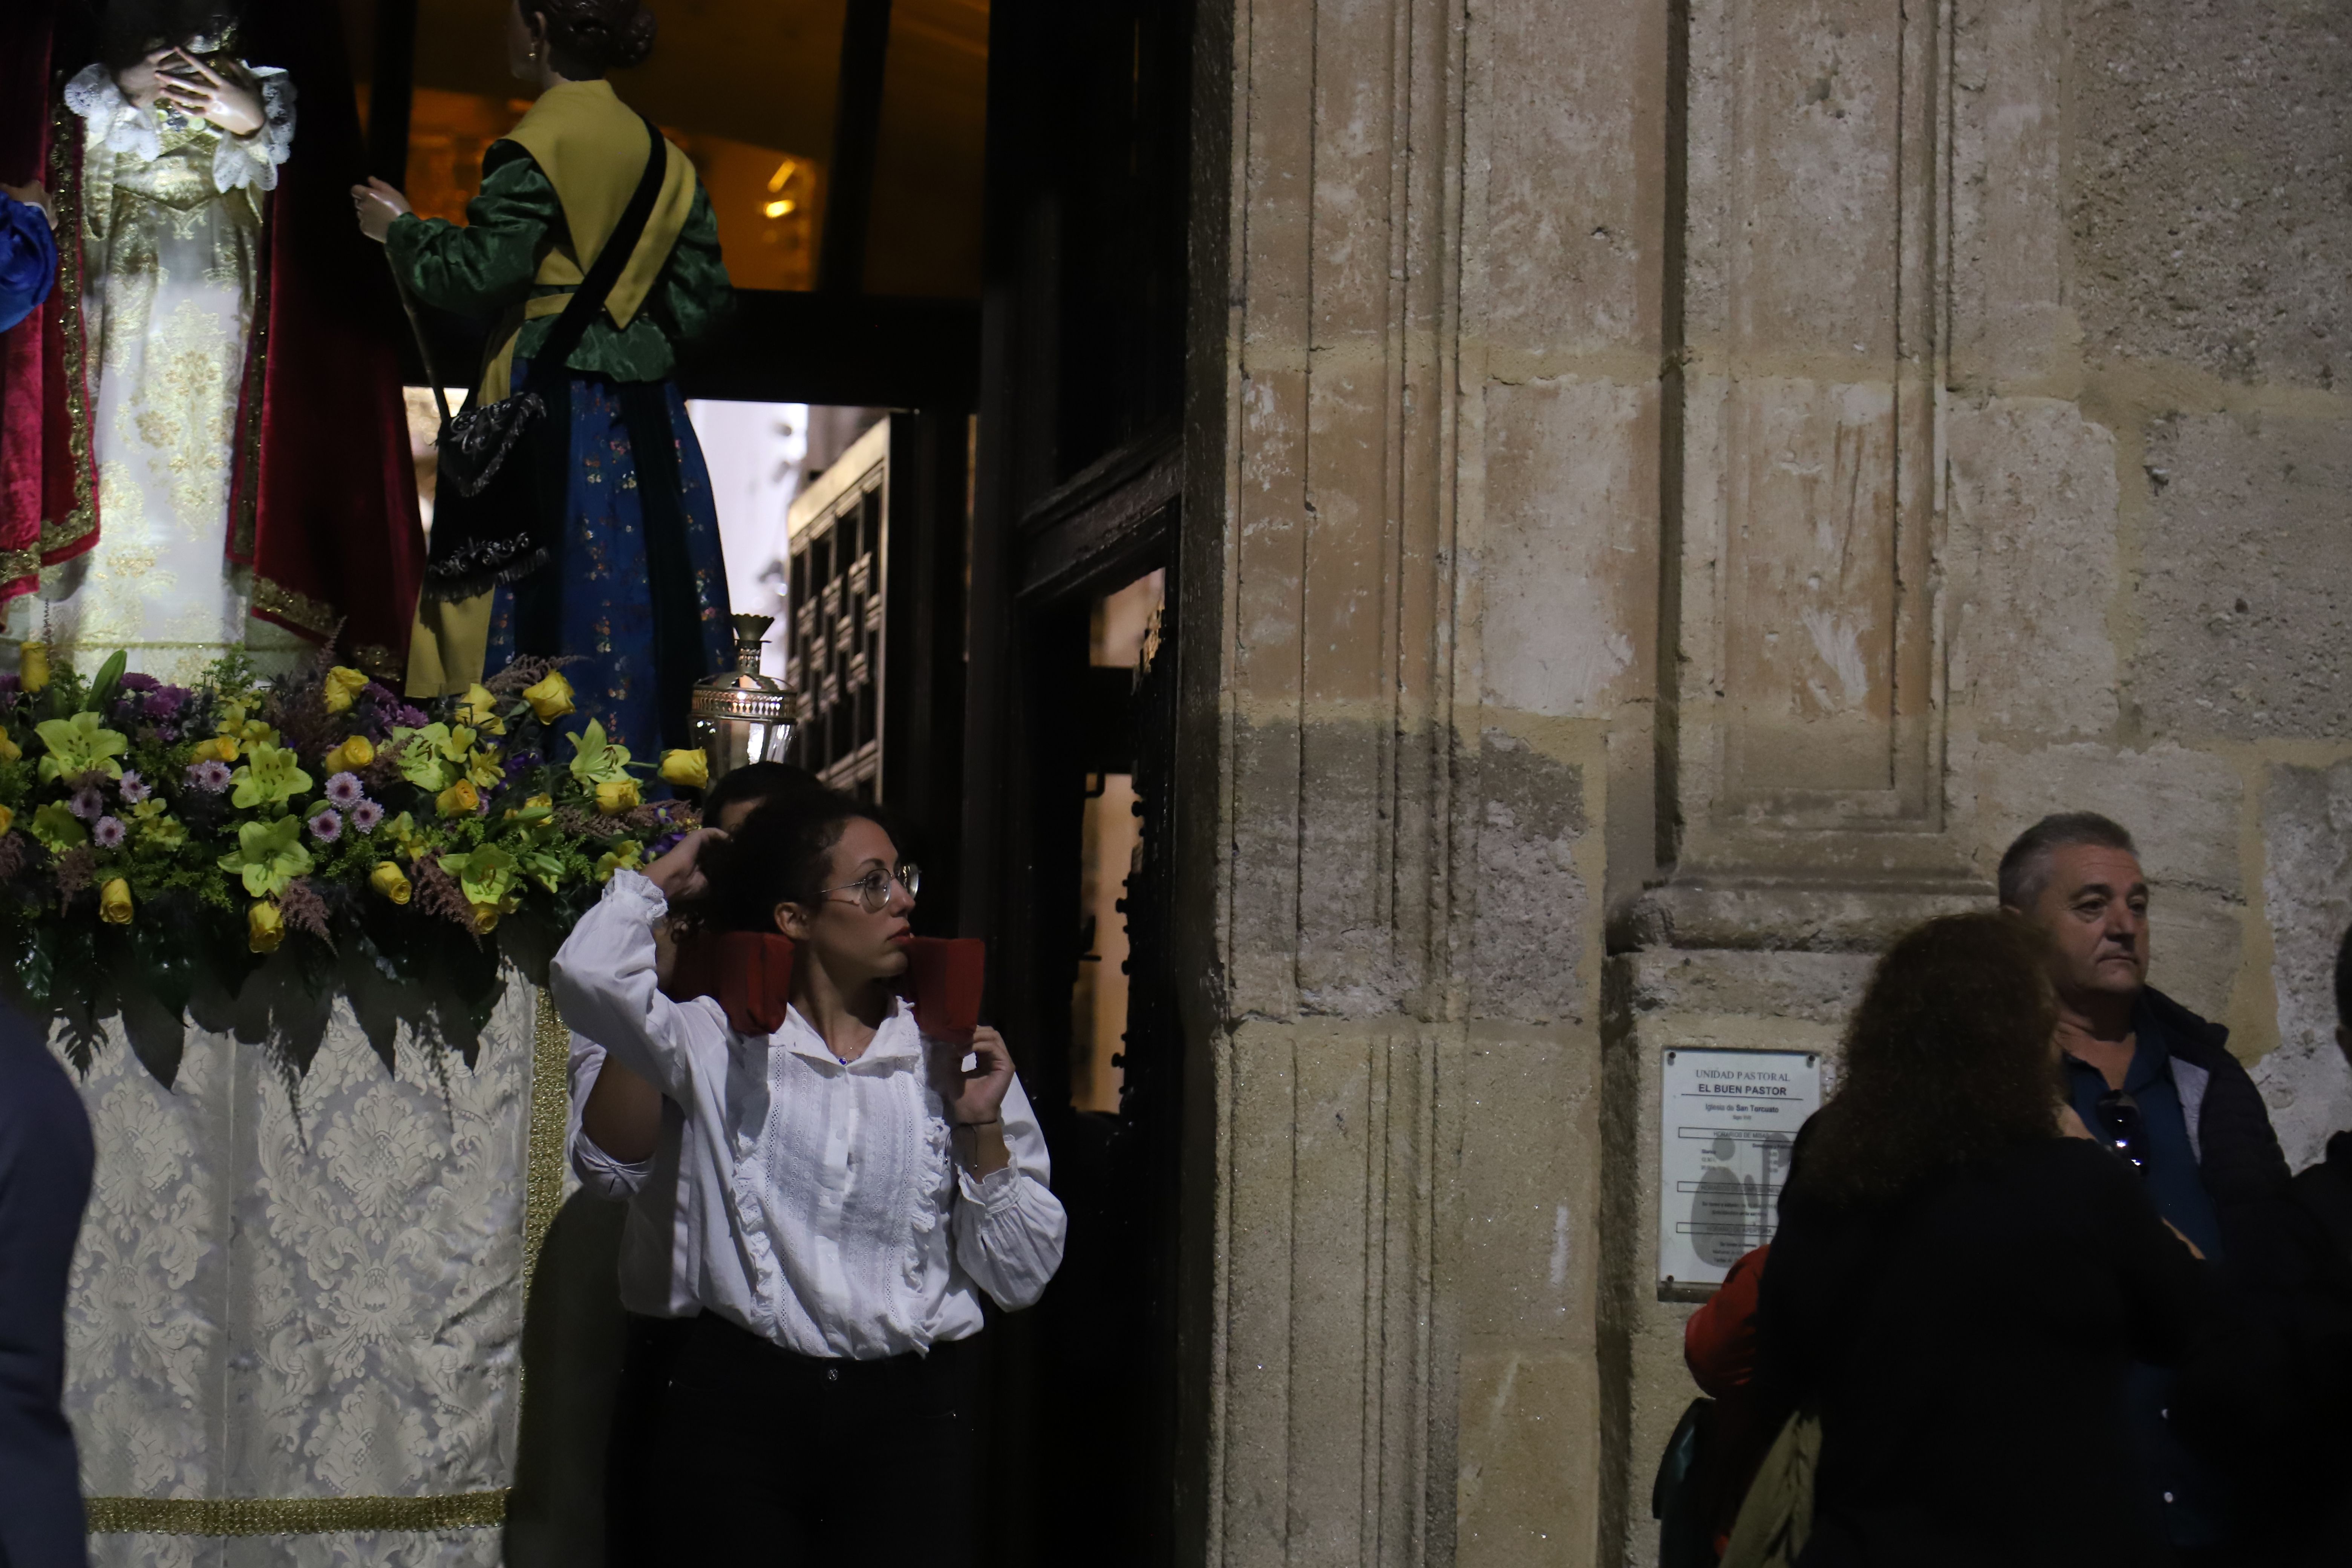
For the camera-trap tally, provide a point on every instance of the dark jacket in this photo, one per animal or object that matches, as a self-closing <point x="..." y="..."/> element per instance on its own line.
<point x="2238" y="1154"/>
<point x="1967" y="1348"/>
<point x="45" y="1170"/>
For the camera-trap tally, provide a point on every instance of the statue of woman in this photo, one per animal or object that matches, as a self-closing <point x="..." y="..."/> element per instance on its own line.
<point x="225" y="455"/>
<point x="635" y="585"/>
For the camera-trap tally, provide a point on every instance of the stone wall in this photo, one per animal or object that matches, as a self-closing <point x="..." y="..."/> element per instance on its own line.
<point x="1671" y="490"/>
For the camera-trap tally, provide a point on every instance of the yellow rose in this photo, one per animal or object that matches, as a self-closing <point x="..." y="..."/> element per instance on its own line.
<point x="33" y="665"/>
<point x="265" y="926"/>
<point x="486" y="919"/>
<point x="343" y="686"/>
<point x="9" y="750"/>
<point x="114" y="902"/>
<point x="390" y="880"/>
<point x="480" y="710"/>
<point x="550" y="699"/>
<point x="219" y="749"/>
<point x="613" y="799"/>
<point x="686" y="767"/>
<point x="356" y="753"/>
<point x="8" y="819"/>
<point x="459" y="799"/>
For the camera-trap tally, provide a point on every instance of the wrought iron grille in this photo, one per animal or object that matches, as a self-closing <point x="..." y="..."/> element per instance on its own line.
<point x="833" y="652"/>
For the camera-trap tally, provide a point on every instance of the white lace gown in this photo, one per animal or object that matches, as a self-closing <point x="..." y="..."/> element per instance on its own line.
<point x="171" y="246"/>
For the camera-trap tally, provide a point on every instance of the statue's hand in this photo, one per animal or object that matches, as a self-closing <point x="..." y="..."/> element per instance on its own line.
<point x="232" y="104"/>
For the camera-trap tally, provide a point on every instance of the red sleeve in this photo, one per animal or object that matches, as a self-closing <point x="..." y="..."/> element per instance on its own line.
<point x="1719" y="1339"/>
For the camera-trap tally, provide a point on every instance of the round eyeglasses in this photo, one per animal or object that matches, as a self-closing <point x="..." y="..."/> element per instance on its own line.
<point x="873" y="890"/>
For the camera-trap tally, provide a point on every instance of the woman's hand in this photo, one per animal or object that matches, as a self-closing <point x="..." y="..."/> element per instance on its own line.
<point x="139" y="83"/>
<point x="973" y="1099"/>
<point x="679" y="874"/>
<point x="228" y="101"/>
<point x="377" y="204"/>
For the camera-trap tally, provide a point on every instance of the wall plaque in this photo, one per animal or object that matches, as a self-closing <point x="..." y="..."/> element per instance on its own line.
<point x="1727" y="1123"/>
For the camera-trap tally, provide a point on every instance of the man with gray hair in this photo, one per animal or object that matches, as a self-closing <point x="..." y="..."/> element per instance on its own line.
<point x="2156" y="1083"/>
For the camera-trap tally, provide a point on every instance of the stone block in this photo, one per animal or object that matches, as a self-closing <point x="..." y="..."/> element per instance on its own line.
<point x="2245" y="596"/>
<point x="1532" y="1127"/>
<point x="1527" y="1495"/>
<point x="2213" y="210"/>
<point x="1534" y="906"/>
<point x="2033" y="524"/>
<point x="2182" y="806"/>
<point x="2308" y="897"/>
<point x="1570" y="527"/>
<point x="1818" y="987"/>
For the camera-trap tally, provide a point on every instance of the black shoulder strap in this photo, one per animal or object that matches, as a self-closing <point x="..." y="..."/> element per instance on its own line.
<point x="605" y="270"/>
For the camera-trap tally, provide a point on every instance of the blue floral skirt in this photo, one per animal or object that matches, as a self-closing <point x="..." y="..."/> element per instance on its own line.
<point x="637" y="585"/>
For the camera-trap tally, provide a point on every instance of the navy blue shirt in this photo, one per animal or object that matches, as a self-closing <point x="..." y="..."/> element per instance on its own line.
<point x="2192" y="1498"/>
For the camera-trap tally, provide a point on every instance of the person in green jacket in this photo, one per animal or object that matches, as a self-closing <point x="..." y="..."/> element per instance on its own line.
<point x="636" y="588"/>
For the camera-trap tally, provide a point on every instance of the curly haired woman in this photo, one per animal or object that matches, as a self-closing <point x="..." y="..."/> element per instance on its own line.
<point x="1961" y="1280"/>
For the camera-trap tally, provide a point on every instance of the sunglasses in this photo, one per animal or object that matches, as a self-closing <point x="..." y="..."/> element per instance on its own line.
<point x="2120" y="1127"/>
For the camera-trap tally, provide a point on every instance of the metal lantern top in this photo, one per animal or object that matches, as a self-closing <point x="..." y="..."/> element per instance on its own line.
<point x="739" y="715"/>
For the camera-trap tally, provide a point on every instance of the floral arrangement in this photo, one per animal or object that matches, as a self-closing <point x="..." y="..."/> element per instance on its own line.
<point x="157" y="837"/>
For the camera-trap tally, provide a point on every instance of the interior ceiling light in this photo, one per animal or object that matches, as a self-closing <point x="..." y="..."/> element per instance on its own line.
<point x="778" y="208"/>
<point x="776" y="181"/>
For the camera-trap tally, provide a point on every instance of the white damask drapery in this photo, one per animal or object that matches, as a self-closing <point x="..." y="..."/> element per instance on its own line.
<point x="293" y="1292"/>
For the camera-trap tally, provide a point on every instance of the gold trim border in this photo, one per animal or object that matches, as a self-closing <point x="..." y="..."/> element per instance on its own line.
<point x="294" y="1516"/>
<point x="549" y="1120"/>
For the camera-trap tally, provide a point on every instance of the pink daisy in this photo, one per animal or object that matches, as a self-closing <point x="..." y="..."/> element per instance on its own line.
<point x="327" y="827"/>
<point x="365" y="814"/>
<point x="345" y="790"/>
<point x="106" y="832"/>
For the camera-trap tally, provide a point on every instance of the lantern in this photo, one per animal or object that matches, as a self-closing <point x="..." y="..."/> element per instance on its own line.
<point x="742" y="716"/>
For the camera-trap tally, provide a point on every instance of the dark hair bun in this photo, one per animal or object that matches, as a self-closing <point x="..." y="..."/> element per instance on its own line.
<point x="596" y="34"/>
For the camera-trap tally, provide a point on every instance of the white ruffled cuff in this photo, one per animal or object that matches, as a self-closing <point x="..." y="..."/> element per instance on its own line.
<point x="112" y="117"/>
<point x="253" y="160"/>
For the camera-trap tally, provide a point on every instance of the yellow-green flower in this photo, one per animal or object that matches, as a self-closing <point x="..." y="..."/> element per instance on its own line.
<point x="625" y="855"/>
<point x="550" y="699"/>
<point x="686" y="767"/>
<point x="273" y="776"/>
<point x="9" y="750"/>
<point x="401" y="831"/>
<point x="269" y="855"/>
<point x="8" y="819"/>
<point x="163" y="832"/>
<point x="265" y="926"/>
<point x="237" y="727"/>
<point x="114" y="902"/>
<point x="459" y="799"/>
<point x="390" y="880"/>
<point x="57" y="828"/>
<point x="483" y="769"/>
<point x="343" y="685"/>
<point x="611" y="799"/>
<point x="480" y="710"/>
<point x="79" y="745"/>
<point x="422" y="762"/>
<point x="356" y="753"/>
<point x="219" y="749"/>
<point x="598" y="760"/>
<point x="33" y="665"/>
<point x="487" y="878"/>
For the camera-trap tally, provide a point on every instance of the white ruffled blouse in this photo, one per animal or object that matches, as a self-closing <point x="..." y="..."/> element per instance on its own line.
<point x="827" y="1211"/>
<point x="237" y="161"/>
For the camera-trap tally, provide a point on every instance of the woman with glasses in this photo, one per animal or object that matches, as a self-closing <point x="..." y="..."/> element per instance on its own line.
<point x="1962" y="1277"/>
<point x="854" y="1188"/>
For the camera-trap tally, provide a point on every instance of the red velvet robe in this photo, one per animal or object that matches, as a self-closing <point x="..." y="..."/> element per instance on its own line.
<point x="322" y="503"/>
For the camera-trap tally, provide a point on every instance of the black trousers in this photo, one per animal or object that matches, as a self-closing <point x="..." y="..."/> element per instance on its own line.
<point x="634" y="1516"/>
<point x="769" y="1459"/>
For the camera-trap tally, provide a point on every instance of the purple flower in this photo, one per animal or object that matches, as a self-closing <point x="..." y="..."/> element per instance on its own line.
<point x="212" y="776"/>
<point x="134" y="788"/>
<point x="365" y="814"/>
<point x="87" y="803"/>
<point x="106" y="832"/>
<point x="663" y="844"/>
<point x="345" y="790"/>
<point x="326" y="827"/>
<point x="165" y="701"/>
<point x="409" y="718"/>
<point x="137" y="680"/>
